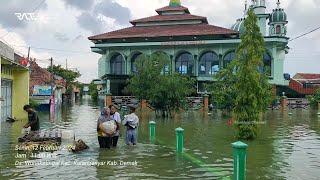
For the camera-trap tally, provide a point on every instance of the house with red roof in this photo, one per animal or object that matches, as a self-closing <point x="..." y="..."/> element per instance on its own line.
<point x="43" y="84"/>
<point x="194" y="46"/>
<point x="305" y="84"/>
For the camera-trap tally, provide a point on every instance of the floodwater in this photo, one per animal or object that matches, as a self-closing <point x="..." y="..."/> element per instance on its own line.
<point x="288" y="147"/>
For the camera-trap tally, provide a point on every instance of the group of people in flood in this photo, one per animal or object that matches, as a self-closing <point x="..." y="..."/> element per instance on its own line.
<point x="109" y="123"/>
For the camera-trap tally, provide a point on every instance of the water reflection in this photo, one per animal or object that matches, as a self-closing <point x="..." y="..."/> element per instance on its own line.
<point x="288" y="147"/>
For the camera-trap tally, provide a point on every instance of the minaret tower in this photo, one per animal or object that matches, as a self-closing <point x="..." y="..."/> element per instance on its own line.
<point x="239" y="25"/>
<point x="245" y="11"/>
<point x="259" y="7"/>
<point x="278" y="22"/>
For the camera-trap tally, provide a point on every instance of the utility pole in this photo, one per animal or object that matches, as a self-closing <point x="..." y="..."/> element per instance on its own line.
<point x="66" y="64"/>
<point x="51" y="67"/>
<point x="29" y="53"/>
<point x="52" y="98"/>
<point x="30" y="68"/>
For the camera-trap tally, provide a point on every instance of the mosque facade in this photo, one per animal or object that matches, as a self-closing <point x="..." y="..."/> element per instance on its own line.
<point x="194" y="47"/>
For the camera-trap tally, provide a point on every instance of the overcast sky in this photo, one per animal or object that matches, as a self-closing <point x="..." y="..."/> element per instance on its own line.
<point x="62" y="27"/>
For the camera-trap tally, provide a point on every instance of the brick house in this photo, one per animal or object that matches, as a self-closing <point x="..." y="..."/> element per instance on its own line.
<point x="305" y="84"/>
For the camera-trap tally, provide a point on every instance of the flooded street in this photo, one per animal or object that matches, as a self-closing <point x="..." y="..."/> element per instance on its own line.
<point x="288" y="147"/>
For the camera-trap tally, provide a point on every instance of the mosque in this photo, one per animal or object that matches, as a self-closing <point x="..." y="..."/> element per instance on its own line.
<point x="194" y="47"/>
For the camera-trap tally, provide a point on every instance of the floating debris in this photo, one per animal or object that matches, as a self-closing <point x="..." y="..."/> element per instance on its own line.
<point x="78" y="146"/>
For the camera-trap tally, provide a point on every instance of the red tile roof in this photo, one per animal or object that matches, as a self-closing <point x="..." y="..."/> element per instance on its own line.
<point x="299" y="81"/>
<point x="164" y="31"/>
<point x="300" y="88"/>
<point x="40" y="76"/>
<point x="173" y="8"/>
<point x="161" y="18"/>
<point x="306" y="76"/>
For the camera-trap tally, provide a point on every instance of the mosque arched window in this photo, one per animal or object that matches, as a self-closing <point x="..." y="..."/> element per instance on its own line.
<point x="134" y="59"/>
<point x="209" y="64"/>
<point x="267" y="64"/>
<point x="278" y="29"/>
<point x="184" y="63"/>
<point x="117" y="64"/>
<point x="228" y="58"/>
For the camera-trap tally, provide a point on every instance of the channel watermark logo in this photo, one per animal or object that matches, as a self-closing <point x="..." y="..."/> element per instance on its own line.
<point x="27" y="16"/>
<point x="231" y="122"/>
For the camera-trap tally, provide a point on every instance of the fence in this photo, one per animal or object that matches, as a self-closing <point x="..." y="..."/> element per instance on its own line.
<point x="296" y="103"/>
<point x="121" y="101"/>
<point x="124" y="100"/>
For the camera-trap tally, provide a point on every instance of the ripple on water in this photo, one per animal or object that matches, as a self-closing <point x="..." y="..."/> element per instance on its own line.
<point x="288" y="144"/>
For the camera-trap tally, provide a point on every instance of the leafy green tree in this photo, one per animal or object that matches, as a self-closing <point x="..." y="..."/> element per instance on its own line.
<point x="314" y="99"/>
<point x="68" y="75"/>
<point x="93" y="91"/>
<point x="80" y="86"/>
<point x="149" y="67"/>
<point x="170" y="93"/>
<point x="165" y="91"/>
<point x="241" y="88"/>
<point x="253" y="90"/>
<point x="223" y="91"/>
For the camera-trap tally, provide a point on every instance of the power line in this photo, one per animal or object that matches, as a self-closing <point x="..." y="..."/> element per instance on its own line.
<point x="37" y="7"/>
<point x="304" y="34"/>
<point x="37" y="59"/>
<point x="61" y="50"/>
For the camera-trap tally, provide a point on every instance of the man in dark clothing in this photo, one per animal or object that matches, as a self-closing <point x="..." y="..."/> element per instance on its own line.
<point x="33" y="119"/>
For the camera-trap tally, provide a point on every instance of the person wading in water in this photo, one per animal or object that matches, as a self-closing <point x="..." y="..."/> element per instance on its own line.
<point x="104" y="137"/>
<point x="33" y="119"/>
<point x="116" y="116"/>
<point x="131" y="121"/>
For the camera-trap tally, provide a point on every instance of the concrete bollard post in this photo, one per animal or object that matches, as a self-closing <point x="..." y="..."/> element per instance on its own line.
<point x="179" y="139"/>
<point x="205" y="102"/>
<point x="284" y="102"/>
<point x="239" y="160"/>
<point x="152" y="131"/>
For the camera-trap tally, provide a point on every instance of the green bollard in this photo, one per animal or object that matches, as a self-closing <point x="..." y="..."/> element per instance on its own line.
<point x="180" y="139"/>
<point x="239" y="160"/>
<point x="152" y="131"/>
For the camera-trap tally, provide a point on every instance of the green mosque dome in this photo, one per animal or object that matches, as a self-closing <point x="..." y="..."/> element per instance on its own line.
<point x="175" y="3"/>
<point x="239" y="26"/>
<point x="278" y="15"/>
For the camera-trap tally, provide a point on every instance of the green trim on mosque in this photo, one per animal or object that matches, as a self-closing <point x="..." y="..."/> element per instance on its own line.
<point x="203" y="55"/>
